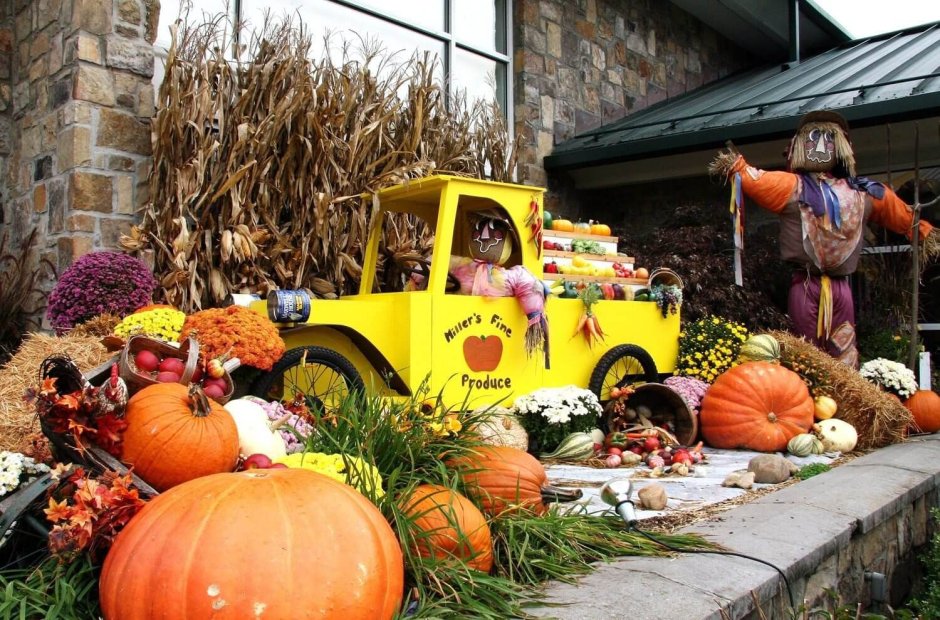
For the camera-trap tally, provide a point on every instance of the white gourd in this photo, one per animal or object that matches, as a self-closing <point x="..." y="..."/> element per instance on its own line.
<point x="254" y="430"/>
<point x="836" y="435"/>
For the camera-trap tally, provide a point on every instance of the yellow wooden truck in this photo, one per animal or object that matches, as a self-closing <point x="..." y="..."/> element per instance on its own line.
<point x="467" y="348"/>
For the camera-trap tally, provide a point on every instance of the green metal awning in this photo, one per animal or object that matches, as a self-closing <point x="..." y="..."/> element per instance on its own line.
<point x="890" y="79"/>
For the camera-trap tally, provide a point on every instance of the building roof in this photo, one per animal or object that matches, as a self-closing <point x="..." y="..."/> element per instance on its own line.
<point x="889" y="79"/>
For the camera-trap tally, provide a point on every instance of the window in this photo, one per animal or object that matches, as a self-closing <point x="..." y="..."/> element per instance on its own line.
<point x="470" y="37"/>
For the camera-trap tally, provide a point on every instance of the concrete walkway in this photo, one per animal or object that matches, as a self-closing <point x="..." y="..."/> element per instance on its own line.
<point x="866" y="516"/>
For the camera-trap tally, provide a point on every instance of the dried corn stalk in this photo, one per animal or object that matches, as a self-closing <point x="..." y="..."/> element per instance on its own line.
<point x="259" y="166"/>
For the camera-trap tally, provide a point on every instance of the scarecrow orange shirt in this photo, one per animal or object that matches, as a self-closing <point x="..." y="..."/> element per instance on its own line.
<point x="815" y="242"/>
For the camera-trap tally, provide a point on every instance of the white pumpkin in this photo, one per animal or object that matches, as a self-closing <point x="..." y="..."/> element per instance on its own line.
<point x="836" y="435"/>
<point x="501" y="428"/>
<point x="254" y="430"/>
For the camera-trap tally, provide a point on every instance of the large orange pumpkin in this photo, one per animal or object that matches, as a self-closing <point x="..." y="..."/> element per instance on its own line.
<point x="756" y="406"/>
<point x="175" y="434"/>
<point x="448" y="525"/>
<point x="562" y="225"/>
<point x="924" y="405"/>
<point x="277" y="544"/>
<point x="500" y="478"/>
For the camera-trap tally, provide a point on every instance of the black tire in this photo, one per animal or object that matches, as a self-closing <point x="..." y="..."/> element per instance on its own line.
<point x="630" y="364"/>
<point x="335" y="374"/>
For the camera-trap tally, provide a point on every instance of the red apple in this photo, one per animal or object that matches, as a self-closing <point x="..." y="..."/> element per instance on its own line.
<point x="651" y="443"/>
<point x="482" y="353"/>
<point x="214" y="391"/>
<point x="257" y="461"/>
<point x="146" y="361"/>
<point x="219" y="383"/>
<point x="172" y="364"/>
<point x="168" y="377"/>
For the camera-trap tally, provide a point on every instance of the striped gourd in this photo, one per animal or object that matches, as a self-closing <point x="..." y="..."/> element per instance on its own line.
<point x="760" y="348"/>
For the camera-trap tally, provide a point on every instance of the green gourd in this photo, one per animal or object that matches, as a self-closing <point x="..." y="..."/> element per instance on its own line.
<point x="804" y="444"/>
<point x="760" y="348"/>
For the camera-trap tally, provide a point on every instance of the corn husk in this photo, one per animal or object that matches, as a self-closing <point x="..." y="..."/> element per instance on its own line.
<point x="263" y="170"/>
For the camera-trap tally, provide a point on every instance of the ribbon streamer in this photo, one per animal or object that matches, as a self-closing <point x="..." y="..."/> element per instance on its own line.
<point x="824" y="317"/>
<point x="737" y="222"/>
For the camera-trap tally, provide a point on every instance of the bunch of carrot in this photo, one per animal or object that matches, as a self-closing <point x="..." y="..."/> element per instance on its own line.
<point x="588" y="325"/>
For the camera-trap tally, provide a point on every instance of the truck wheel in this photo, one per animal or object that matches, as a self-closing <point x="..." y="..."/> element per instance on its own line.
<point x="323" y="377"/>
<point x="623" y="365"/>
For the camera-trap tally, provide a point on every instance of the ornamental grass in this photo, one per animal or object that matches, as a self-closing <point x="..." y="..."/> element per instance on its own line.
<point x="259" y="166"/>
<point x="879" y="418"/>
<point x="410" y="442"/>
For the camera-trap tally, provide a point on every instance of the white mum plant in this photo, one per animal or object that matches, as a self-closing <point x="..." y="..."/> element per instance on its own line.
<point x="890" y="376"/>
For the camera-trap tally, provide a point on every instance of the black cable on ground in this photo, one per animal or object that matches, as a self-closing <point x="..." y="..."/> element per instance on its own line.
<point x="786" y="582"/>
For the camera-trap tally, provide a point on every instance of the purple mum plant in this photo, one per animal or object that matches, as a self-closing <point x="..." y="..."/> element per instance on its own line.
<point x="691" y="390"/>
<point x="97" y="283"/>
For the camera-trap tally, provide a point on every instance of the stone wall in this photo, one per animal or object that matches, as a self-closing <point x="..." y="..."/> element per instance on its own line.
<point x="580" y="64"/>
<point x="79" y="132"/>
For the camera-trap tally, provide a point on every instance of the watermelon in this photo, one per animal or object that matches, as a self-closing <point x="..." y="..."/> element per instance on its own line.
<point x="546" y="220"/>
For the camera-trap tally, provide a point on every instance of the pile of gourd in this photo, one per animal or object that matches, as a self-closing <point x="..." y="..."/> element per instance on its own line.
<point x="763" y="406"/>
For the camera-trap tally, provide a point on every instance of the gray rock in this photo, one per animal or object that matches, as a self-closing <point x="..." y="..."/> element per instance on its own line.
<point x="770" y="468"/>
<point x="653" y="496"/>
<point x="739" y="479"/>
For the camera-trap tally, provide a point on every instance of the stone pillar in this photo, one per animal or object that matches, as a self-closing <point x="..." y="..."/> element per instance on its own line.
<point x="7" y="38"/>
<point x="82" y="104"/>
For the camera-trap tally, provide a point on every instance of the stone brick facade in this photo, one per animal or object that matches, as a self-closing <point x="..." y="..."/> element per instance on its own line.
<point x="76" y="98"/>
<point x="580" y="64"/>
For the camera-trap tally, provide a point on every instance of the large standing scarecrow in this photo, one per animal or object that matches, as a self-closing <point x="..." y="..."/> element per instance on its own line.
<point x="823" y="209"/>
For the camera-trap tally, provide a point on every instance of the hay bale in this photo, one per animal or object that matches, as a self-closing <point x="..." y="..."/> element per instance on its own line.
<point x="18" y="422"/>
<point x="879" y="418"/>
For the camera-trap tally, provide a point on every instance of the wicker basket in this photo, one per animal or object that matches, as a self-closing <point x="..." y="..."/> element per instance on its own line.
<point x="666" y="277"/>
<point x="188" y="352"/>
<point x="669" y="410"/>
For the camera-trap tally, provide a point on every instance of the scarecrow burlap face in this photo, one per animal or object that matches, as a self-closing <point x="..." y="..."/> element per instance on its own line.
<point x="490" y="237"/>
<point x="822" y="144"/>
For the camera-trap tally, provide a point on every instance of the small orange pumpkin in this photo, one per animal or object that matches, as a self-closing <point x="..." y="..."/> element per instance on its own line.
<point x="448" y="525"/>
<point x="501" y="478"/>
<point x="600" y="229"/>
<point x="756" y="406"/>
<point x="924" y="405"/>
<point x="277" y="544"/>
<point x="175" y="434"/>
<point x="562" y="225"/>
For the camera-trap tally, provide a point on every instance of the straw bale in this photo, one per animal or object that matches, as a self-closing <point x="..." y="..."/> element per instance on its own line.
<point x="18" y="419"/>
<point x="879" y="418"/>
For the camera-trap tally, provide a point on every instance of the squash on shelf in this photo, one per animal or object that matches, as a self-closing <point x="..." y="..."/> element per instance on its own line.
<point x="600" y="229"/>
<point x="562" y="225"/>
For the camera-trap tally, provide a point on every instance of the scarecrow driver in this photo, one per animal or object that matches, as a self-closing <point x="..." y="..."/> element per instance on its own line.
<point x="823" y="209"/>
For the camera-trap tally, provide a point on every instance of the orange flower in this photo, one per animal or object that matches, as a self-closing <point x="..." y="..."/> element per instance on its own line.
<point x="237" y="332"/>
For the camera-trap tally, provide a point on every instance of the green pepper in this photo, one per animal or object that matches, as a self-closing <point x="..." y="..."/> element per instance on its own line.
<point x="571" y="291"/>
<point x="616" y="439"/>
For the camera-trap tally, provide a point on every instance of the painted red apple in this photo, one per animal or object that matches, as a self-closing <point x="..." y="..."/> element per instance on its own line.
<point x="482" y="353"/>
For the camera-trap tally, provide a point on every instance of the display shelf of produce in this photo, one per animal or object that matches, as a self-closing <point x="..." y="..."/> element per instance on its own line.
<point x="607" y="258"/>
<point x="570" y="277"/>
<point x="561" y="234"/>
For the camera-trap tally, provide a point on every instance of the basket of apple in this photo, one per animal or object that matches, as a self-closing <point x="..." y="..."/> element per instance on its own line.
<point x="145" y="361"/>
